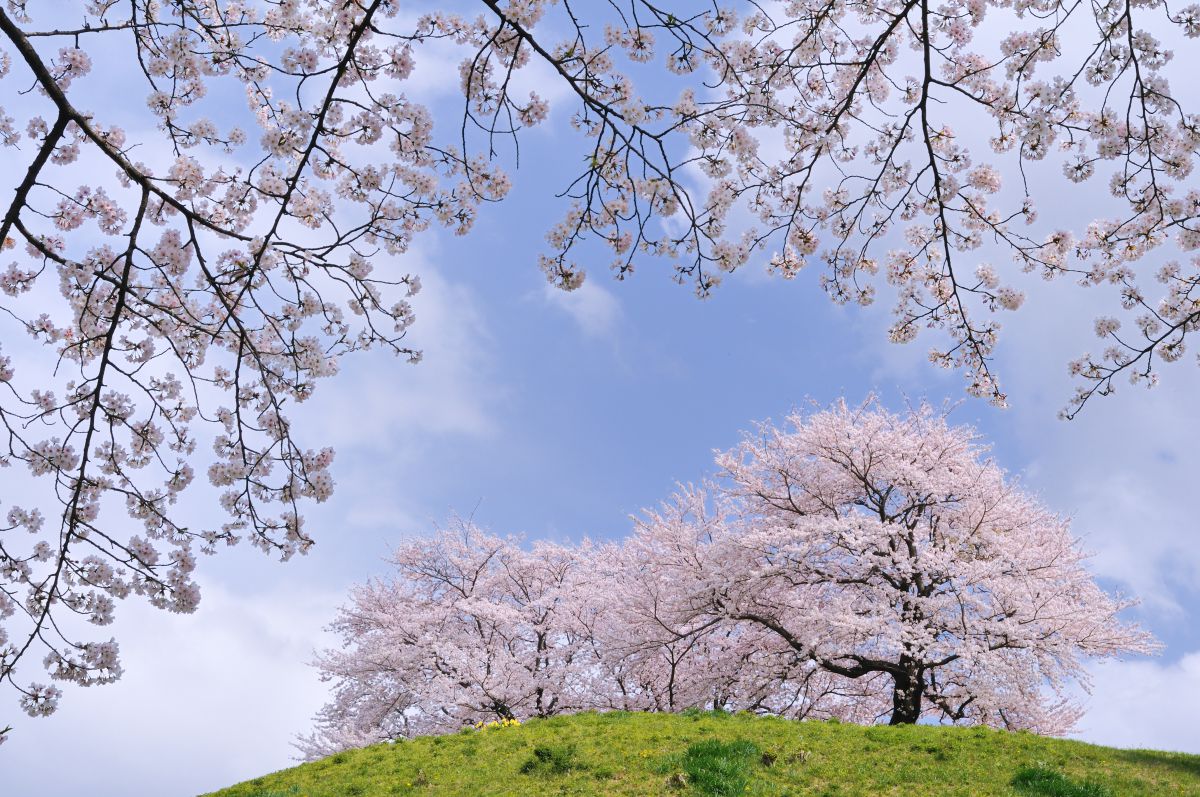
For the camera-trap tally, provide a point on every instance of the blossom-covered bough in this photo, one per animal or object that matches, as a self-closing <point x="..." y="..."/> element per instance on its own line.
<point x="205" y="202"/>
<point x="861" y="564"/>
<point x="195" y="277"/>
<point x="874" y="136"/>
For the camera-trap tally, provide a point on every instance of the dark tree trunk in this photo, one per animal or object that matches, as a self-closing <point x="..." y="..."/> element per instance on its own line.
<point x="907" y="693"/>
<point x="671" y="687"/>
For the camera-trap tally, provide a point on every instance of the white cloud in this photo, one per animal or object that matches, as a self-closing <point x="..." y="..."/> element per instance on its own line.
<point x="1145" y="704"/>
<point x="1136" y="527"/>
<point x="593" y="308"/>
<point x="209" y="700"/>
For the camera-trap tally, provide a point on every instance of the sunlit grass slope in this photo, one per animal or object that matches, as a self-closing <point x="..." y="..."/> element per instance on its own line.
<point x="720" y="754"/>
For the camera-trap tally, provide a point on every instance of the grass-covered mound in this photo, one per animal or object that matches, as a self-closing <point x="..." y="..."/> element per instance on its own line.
<point x="705" y="753"/>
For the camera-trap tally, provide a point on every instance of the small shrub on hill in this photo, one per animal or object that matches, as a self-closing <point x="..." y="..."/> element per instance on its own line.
<point x="1044" y="782"/>
<point x="720" y="768"/>
<point x="552" y="760"/>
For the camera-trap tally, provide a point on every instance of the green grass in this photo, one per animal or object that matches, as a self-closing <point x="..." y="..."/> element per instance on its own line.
<point x="705" y="753"/>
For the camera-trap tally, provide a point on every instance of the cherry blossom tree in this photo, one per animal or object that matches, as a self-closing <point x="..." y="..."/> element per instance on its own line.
<point x="905" y="137"/>
<point x="472" y="629"/>
<point x="879" y="544"/>
<point x="192" y="255"/>
<point x="184" y="285"/>
<point x="665" y="574"/>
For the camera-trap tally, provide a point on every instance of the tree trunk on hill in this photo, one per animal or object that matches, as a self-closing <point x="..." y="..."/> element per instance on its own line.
<point x="906" y="695"/>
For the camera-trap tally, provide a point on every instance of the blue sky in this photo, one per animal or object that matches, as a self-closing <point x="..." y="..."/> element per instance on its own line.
<point x="557" y="416"/>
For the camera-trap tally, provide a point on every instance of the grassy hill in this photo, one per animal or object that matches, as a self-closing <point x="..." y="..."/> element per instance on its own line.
<point x="705" y="753"/>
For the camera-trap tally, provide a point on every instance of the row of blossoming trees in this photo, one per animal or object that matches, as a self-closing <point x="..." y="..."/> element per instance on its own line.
<point x="859" y="564"/>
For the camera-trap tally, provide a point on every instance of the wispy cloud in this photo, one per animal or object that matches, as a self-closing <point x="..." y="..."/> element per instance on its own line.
<point x="594" y="309"/>
<point x="376" y="399"/>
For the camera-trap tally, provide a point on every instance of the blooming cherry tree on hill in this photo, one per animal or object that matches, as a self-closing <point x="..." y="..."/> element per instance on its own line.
<point x="879" y="544"/>
<point x="185" y="258"/>
<point x="665" y="574"/>
<point x="472" y="629"/>
<point x="862" y="565"/>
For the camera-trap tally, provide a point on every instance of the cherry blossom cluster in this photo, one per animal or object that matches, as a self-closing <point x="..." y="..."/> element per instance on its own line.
<point x="857" y="564"/>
